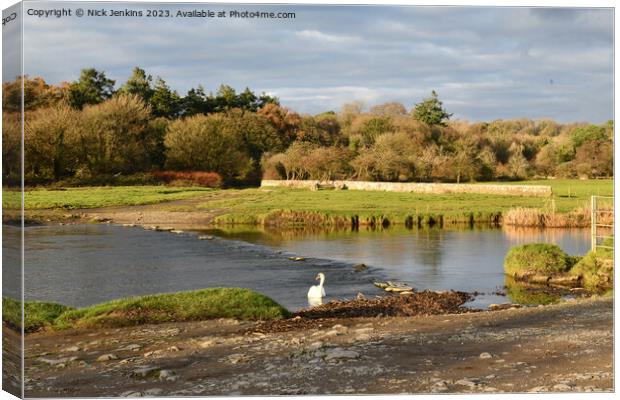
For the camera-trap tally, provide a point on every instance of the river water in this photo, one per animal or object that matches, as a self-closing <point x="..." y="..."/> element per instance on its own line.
<point x="80" y="265"/>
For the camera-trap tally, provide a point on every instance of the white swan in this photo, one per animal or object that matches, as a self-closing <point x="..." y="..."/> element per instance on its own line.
<point x="317" y="291"/>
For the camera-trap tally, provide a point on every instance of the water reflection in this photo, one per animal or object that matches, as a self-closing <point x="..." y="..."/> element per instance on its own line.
<point x="528" y="295"/>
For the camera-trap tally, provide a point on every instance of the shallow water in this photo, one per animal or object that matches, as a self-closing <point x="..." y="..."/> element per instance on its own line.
<point x="80" y="265"/>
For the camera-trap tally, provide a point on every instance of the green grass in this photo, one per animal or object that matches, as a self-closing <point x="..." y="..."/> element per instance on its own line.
<point x="36" y="314"/>
<point x="196" y="305"/>
<point x="596" y="268"/>
<point x="540" y="258"/>
<point x="256" y="205"/>
<point x="93" y="197"/>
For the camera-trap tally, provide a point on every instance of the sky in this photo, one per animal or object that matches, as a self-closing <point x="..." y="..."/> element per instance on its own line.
<point x="485" y="63"/>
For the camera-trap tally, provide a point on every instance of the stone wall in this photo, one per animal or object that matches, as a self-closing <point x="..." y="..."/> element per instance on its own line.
<point x="412" y="187"/>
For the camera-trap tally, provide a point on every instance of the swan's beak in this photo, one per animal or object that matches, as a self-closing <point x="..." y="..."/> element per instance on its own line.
<point x="318" y="278"/>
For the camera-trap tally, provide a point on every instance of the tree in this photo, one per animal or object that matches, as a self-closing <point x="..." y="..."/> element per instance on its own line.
<point x="50" y="144"/>
<point x="285" y="122"/>
<point x="391" y="109"/>
<point x="115" y="136"/>
<point x="202" y="143"/>
<point x="595" y="158"/>
<point x="37" y="94"/>
<point x="197" y="102"/>
<point x="165" y="102"/>
<point x="139" y="83"/>
<point x="430" y="111"/>
<point x="93" y="87"/>
<point x="588" y="133"/>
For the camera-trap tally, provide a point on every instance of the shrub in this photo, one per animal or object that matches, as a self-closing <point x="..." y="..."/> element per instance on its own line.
<point x="536" y="258"/>
<point x="189" y="178"/>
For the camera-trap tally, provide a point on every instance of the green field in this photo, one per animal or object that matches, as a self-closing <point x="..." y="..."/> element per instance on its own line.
<point x="253" y="205"/>
<point x="93" y="197"/>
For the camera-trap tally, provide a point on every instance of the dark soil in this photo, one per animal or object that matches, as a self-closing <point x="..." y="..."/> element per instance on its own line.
<point x="417" y="304"/>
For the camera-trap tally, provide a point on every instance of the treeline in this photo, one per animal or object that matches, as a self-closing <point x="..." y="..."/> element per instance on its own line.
<point x="89" y="131"/>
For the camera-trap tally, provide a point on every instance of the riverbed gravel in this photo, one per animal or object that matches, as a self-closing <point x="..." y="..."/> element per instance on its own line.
<point x="559" y="348"/>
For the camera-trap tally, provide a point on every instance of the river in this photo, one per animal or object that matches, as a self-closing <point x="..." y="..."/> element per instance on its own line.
<point x="80" y="265"/>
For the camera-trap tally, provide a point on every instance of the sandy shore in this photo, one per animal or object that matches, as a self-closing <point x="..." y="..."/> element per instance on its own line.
<point x="560" y="348"/>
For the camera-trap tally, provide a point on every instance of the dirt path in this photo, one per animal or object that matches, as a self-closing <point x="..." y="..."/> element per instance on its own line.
<point x="565" y="347"/>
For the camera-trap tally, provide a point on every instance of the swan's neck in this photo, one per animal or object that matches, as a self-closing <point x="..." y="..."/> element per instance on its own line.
<point x="322" y="279"/>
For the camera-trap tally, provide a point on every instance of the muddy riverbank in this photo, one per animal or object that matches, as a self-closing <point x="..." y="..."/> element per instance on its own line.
<point x="560" y="348"/>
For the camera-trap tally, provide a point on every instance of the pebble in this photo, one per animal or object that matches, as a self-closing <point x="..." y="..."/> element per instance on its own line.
<point x="132" y="347"/>
<point x="562" y="387"/>
<point x="72" y="348"/>
<point x="167" y="375"/>
<point x="62" y="360"/>
<point x="107" y="357"/>
<point x="315" y="346"/>
<point x="145" y="371"/>
<point x="466" y="382"/>
<point x="338" y="353"/>
<point x="485" y="355"/>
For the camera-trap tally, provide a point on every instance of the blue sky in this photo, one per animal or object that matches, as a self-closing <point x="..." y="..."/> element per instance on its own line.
<point x="485" y="63"/>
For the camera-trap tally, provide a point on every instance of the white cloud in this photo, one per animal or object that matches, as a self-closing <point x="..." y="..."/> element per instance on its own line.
<point x="486" y="63"/>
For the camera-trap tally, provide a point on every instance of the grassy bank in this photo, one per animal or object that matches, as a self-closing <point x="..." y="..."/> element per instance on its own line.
<point x="93" y="197"/>
<point x="36" y="314"/>
<point x="242" y="304"/>
<point x="334" y="208"/>
<point x="291" y="207"/>
<point x="548" y="264"/>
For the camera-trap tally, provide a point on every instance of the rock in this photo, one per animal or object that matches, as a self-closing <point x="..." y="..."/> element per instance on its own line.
<point x="338" y="353"/>
<point x="364" y="337"/>
<point x="153" y="392"/>
<point x="297" y="258"/>
<point x="173" y="348"/>
<point x="562" y="387"/>
<point x="360" y="296"/>
<point x="130" y="393"/>
<point x="341" y="329"/>
<point x="315" y="346"/>
<point x="236" y="359"/>
<point x="107" y="357"/>
<point x="485" y="355"/>
<point x="132" y="347"/>
<point x="177" y="231"/>
<point x="205" y="237"/>
<point x="538" y="389"/>
<point x="466" y="382"/>
<point x="440" y="387"/>
<point x="360" y="267"/>
<point x="71" y="349"/>
<point x="167" y="375"/>
<point x="145" y="371"/>
<point x="53" y="362"/>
